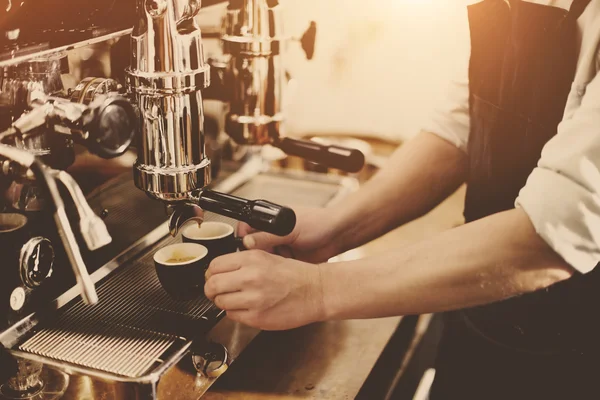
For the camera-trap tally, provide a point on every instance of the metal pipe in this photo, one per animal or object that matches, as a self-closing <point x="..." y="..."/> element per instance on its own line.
<point x="92" y="227"/>
<point x="28" y="160"/>
<point x="166" y="76"/>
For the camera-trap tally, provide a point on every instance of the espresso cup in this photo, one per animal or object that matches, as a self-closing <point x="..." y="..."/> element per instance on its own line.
<point x="217" y="237"/>
<point x="180" y="269"/>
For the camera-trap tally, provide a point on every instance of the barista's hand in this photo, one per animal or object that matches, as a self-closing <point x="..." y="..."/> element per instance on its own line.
<point x="313" y="239"/>
<point x="266" y="291"/>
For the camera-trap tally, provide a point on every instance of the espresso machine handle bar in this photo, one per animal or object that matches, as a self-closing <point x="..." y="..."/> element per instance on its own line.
<point x="42" y="174"/>
<point x="84" y="281"/>
<point x="342" y="158"/>
<point x="259" y="214"/>
<point x="106" y="126"/>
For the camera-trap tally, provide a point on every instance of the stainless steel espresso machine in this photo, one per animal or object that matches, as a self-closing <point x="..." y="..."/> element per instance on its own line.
<point x="82" y="314"/>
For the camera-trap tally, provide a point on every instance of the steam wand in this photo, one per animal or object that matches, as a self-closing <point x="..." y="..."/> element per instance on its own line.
<point x="43" y="175"/>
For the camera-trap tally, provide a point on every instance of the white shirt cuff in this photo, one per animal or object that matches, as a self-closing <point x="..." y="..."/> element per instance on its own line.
<point x="450" y="120"/>
<point x="566" y="215"/>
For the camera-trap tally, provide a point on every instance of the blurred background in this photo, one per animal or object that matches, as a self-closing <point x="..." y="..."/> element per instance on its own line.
<point x="380" y="66"/>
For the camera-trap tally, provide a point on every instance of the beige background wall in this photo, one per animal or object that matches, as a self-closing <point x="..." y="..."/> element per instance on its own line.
<point x="379" y="66"/>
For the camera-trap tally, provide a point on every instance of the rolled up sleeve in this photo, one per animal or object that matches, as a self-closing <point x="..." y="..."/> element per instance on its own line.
<point x="450" y="119"/>
<point x="561" y="196"/>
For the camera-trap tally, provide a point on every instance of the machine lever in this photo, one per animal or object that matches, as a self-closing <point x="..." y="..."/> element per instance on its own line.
<point x="343" y="158"/>
<point x="259" y="214"/>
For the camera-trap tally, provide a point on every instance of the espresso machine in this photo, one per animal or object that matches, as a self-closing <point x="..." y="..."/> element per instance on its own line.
<point x="83" y="314"/>
<point x="251" y="77"/>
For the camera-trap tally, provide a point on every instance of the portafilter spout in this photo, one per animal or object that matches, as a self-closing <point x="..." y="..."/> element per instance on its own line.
<point x="259" y="214"/>
<point x="182" y="214"/>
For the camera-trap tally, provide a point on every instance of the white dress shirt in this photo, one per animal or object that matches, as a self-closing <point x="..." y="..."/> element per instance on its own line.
<point x="562" y="195"/>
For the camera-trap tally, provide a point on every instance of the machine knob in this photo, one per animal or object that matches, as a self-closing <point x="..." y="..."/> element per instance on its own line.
<point x="111" y="122"/>
<point x="36" y="261"/>
<point x="309" y="39"/>
<point x="210" y="359"/>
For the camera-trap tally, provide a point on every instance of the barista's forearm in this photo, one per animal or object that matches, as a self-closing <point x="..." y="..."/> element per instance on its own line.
<point x="482" y="262"/>
<point x="419" y="175"/>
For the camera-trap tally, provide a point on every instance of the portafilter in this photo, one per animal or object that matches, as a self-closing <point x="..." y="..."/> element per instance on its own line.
<point x="166" y="77"/>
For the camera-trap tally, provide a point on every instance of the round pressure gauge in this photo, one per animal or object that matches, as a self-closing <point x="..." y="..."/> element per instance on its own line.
<point x="37" y="259"/>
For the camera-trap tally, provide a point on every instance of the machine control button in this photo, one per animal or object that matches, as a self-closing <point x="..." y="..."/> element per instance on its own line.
<point x="210" y="359"/>
<point x="37" y="260"/>
<point x="17" y="299"/>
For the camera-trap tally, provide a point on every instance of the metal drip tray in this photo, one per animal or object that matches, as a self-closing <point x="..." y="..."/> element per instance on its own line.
<point x="129" y="330"/>
<point x="286" y="190"/>
<point x="136" y="332"/>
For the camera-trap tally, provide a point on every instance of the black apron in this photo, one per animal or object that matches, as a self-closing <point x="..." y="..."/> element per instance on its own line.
<point x="541" y="345"/>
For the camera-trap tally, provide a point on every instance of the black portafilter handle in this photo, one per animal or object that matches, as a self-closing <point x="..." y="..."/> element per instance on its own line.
<point x="259" y="214"/>
<point x="342" y="158"/>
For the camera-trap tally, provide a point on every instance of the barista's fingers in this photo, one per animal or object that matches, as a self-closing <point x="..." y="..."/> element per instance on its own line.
<point x="235" y="301"/>
<point x="265" y="241"/>
<point x="220" y="284"/>
<point x="226" y="263"/>
<point x="244" y="229"/>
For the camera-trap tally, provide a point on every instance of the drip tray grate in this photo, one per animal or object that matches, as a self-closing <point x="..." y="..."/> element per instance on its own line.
<point x="127" y="332"/>
<point x="135" y="322"/>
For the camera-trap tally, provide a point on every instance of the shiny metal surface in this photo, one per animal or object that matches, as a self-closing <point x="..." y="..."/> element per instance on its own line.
<point x="182" y="214"/>
<point x="210" y="359"/>
<point x="21" y="86"/>
<point x="36" y="261"/>
<point x="166" y="76"/>
<point x="26" y="196"/>
<point x="15" y="334"/>
<point x="132" y="303"/>
<point x="27" y="382"/>
<point x="45" y="49"/>
<point x="105" y="123"/>
<point x="34" y="28"/>
<point x="22" y="83"/>
<point x="49" y="385"/>
<point x="89" y="88"/>
<point x="63" y="225"/>
<point x="128" y="332"/>
<point x="253" y="38"/>
<point x="92" y="227"/>
<point x="86" y="286"/>
<point x="253" y="78"/>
